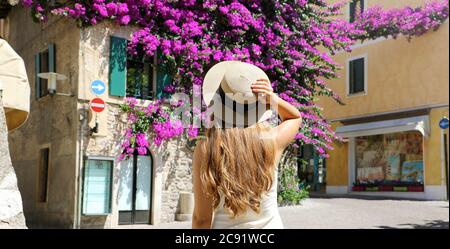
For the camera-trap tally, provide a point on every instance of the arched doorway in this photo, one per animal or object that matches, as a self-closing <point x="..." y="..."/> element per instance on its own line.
<point x="135" y="190"/>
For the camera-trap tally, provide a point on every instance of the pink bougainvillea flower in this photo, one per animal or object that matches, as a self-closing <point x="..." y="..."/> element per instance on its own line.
<point x="290" y="40"/>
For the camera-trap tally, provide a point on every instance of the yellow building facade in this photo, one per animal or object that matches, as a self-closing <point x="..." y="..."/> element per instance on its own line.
<point x="395" y="94"/>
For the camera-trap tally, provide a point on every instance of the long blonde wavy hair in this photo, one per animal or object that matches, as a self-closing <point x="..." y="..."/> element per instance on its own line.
<point x="239" y="163"/>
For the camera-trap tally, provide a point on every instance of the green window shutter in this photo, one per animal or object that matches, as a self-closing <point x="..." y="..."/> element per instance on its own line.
<point x="51" y="57"/>
<point x="352" y="77"/>
<point x="356" y="74"/>
<point x="117" y="66"/>
<point x="163" y="79"/>
<point x="352" y="10"/>
<point x="359" y="75"/>
<point x="37" y="70"/>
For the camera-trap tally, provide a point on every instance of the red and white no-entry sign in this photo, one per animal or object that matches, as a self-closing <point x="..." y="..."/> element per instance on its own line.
<point x="97" y="105"/>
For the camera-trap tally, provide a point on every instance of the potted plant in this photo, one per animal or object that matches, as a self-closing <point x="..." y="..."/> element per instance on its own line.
<point x="358" y="186"/>
<point x="372" y="188"/>
<point x="416" y="187"/>
<point x="386" y="188"/>
<point x="400" y="187"/>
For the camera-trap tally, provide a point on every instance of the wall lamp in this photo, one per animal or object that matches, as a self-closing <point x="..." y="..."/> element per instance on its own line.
<point x="52" y="79"/>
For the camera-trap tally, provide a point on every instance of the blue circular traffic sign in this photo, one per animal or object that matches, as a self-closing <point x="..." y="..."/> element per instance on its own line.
<point x="98" y="87"/>
<point x="443" y="123"/>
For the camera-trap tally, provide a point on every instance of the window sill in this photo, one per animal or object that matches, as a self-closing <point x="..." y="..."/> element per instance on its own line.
<point x="141" y="99"/>
<point x="40" y="204"/>
<point x="359" y="94"/>
<point x="114" y="100"/>
<point x="100" y="214"/>
<point x="44" y="98"/>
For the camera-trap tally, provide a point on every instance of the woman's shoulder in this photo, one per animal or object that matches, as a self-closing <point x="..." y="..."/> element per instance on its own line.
<point x="272" y="132"/>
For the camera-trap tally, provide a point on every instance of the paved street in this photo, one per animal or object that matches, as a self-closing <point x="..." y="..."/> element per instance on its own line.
<point x="341" y="213"/>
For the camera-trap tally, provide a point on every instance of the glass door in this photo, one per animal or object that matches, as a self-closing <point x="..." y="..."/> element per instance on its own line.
<point x="135" y="190"/>
<point x="142" y="189"/>
<point x="311" y="169"/>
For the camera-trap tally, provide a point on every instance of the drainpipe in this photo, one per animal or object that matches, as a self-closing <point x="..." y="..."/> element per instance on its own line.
<point x="83" y="116"/>
<point x="77" y="223"/>
<point x="444" y="164"/>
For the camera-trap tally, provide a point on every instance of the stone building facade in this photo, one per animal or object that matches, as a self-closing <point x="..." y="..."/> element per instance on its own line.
<point x="52" y="152"/>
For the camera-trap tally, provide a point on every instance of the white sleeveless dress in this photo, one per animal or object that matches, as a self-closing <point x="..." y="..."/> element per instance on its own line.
<point x="268" y="218"/>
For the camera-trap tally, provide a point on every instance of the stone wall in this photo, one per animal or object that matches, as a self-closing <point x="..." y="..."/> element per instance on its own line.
<point x="11" y="213"/>
<point x="177" y="171"/>
<point x="172" y="164"/>
<point x="172" y="160"/>
<point x="52" y="121"/>
<point x="83" y="56"/>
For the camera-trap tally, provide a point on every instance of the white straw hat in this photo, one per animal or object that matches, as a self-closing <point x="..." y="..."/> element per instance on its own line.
<point x="227" y="91"/>
<point x="15" y="86"/>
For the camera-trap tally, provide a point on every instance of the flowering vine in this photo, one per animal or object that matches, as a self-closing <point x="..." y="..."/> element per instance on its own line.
<point x="282" y="37"/>
<point x="406" y="21"/>
<point x="142" y="119"/>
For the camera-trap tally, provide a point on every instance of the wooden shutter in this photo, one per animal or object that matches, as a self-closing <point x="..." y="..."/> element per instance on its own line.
<point x="51" y="57"/>
<point x="359" y="75"/>
<point x="354" y="4"/>
<point x="117" y="66"/>
<point x="163" y="78"/>
<point x="352" y="10"/>
<point x="37" y="70"/>
<point x="357" y="79"/>
<point x="361" y="5"/>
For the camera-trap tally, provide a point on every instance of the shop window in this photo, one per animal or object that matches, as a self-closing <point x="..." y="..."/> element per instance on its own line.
<point x="356" y="9"/>
<point x="97" y="186"/>
<point x="357" y="79"/>
<point x="45" y="62"/>
<point x="44" y="156"/>
<point x="390" y="159"/>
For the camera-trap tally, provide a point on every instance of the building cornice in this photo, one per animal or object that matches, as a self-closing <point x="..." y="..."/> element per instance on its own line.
<point x="407" y="112"/>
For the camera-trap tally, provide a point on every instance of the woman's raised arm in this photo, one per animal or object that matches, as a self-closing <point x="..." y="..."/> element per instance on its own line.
<point x="291" y="118"/>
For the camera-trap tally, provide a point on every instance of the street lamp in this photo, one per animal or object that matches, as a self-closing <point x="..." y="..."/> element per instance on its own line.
<point x="52" y="79"/>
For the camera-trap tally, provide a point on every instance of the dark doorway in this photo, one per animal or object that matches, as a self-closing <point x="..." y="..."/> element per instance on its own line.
<point x="311" y="168"/>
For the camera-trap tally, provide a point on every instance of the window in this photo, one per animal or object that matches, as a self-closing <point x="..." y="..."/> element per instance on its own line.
<point x="45" y="62"/>
<point x="44" y="155"/>
<point x="139" y="77"/>
<point x="356" y="9"/>
<point x="134" y="76"/>
<point x="97" y="186"/>
<point x="3" y="28"/>
<point x="390" y="158"/>
<point x="356" y="76"/>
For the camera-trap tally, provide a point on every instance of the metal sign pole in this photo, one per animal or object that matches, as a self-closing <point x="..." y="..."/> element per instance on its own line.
<point x="446" y="164"/>
<point x="444" y="124"/>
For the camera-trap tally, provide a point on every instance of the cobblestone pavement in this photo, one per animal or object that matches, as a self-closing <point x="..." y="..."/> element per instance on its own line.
<point x="341" y="213"/>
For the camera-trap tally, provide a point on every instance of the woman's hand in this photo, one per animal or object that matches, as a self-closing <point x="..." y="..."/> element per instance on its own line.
<point x="263" y="88"/>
